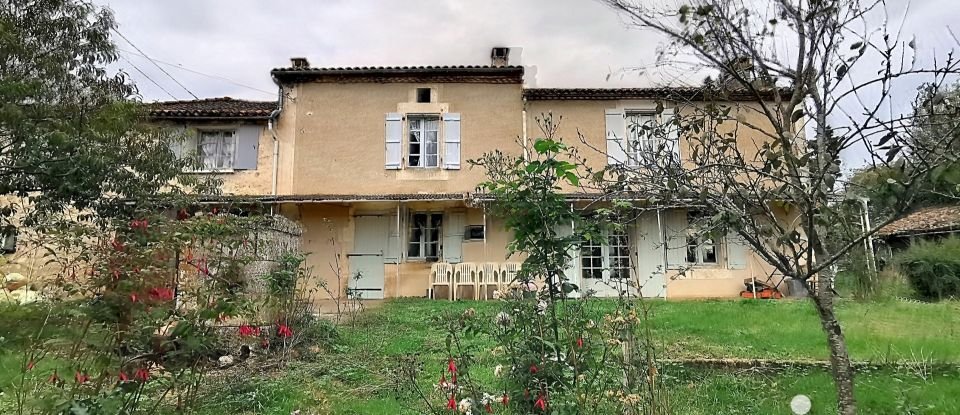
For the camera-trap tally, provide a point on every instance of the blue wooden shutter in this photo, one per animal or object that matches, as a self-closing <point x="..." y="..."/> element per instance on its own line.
<point x="616" y="137"/>
<point x="453" y="226"/>
<point x="393" y="132"/>
<point x="178" y="139"/>
<point x="675" y="231"/>
<point x="451" y="141"/>
<point x="737" y="251"/>
<point x="572" y="270"/>
<point x="672" y="132"/>
<point x="392" y="253"/>
<point x="248" y="145"/>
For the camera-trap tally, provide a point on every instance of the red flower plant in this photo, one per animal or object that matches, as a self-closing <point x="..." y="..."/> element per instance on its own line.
<point x="53" y="377"/>
<point x="488" y="408"/>
<point x="505" y="399"/>
<point x="161" y="293"/>
<point x="81" y="377"/>
<point x="117" y="245"/>
<point x="284" y="331"/>
<point x="30" y="365"/>
<point x="452" y="366"/>
<point x="452" y="403"/>
<point x="541" y="403"/>
<point x="133" y="297"/>
<point x="141" y="375"/>
<point x="534" y="369"/>
<point x="123" y="377"/>
<point x="580" y="342"/>
<point x="141" y="224"/>
<point x="182" y="214"/>
<point x="249" y="331"/>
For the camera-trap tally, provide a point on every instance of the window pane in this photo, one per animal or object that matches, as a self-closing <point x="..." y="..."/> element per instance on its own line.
<point x="208" y="149"/>
<point x="431" y="250"/>
<point x="436" y="220"/>
<point x="709" y="251"/>
<point x="691" y="249"/>
<point x="225" y="160"/>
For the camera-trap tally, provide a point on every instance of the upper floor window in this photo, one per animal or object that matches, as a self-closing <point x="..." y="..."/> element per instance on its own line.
<point x="423" y="146"/>
<point x="642" y="139"/>
<point x="216" y="149"/>
<point x="423" y="95"/>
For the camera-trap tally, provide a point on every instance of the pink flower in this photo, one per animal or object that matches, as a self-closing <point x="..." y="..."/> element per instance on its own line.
<point x="452" y="366"/>
<point x="452" y="403"/>
<point x="161" y="293"/>
<point x="80" y="377"/>
<point x="141" y="375"/>
<point x="133" y="297"/>
<point x="249" y="331"/>
<point x="580" y="342"/>
<point x="505" y="399"/>
<point x="284" y="331"/>
<point x="123" y="377"/>
<point x="541" y="403"/>
<point x="30" y="365"/>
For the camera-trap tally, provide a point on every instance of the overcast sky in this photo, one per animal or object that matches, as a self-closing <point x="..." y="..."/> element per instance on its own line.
<point x="573" y="43"/>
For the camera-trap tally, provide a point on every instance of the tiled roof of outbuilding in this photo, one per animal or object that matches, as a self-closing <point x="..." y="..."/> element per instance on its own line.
<point x="212" y="108"/>
<point x="934" y="219"/>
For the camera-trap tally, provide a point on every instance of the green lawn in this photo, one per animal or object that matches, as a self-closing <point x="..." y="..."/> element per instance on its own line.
<point x="354" y="377"/>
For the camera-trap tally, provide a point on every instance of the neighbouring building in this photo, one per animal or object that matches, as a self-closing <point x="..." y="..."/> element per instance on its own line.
<point x="926" y="223"/>
<point x="372" y="161"/>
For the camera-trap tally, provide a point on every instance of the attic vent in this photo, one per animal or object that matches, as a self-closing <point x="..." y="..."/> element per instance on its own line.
<point x="299" y="63"/>
<point x="500" y="56"/>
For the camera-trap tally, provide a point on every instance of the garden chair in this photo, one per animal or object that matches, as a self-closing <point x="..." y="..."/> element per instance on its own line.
<point x="488" y="275"/>
<point x="464" y="275"/>
<point x="441" y="275"/>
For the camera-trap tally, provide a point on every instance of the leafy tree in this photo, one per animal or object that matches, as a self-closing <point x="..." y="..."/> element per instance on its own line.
<point x="71" y="132"/>
<point x="812" y="78"/>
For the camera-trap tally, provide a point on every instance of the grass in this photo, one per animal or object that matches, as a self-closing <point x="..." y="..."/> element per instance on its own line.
<point x="355" y="377"/>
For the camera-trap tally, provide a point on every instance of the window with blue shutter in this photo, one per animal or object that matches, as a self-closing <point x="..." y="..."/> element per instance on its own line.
<point x="248" y="146"/>
<point x="393" y="133"/>
<point x="451" y="141"/>
<point x="616" y="137"/>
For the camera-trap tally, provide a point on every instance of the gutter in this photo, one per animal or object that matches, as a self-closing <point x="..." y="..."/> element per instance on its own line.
<point x="276" y="142"/>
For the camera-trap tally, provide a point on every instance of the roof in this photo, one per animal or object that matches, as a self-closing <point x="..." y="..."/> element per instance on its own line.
<point x="212" y="108"/>
<point x="465" y="74"/>
<point x="673" y="93"/>
<point x="934" y="219"/>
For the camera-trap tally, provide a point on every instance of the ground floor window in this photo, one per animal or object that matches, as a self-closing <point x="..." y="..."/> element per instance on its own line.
<point x="611" y="254"/>
<point x="701" y="248"/>
<point x="425" y="236"/>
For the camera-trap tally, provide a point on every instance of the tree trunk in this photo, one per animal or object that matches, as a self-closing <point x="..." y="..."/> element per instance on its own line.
<point x="839" y="358"/>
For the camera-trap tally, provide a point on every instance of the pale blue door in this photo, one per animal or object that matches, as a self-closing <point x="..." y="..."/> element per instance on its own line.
<point x="366" y="258"/>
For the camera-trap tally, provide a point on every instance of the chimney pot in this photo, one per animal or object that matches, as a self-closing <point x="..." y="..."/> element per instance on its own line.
<point x="299" y="63"/>
<point x="500" y="56"/>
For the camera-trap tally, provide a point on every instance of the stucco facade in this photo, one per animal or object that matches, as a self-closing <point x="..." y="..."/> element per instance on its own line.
<point x="374" y="163"/>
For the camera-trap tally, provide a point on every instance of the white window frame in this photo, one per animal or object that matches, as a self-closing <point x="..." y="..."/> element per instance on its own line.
<point x="699" y="246"/>
<point x="422" y="154"/>
<point x="424" y="239"/>
<point x="194" y="149"/>
<point x="614" y="257"/>
<point x="640" y="142"/>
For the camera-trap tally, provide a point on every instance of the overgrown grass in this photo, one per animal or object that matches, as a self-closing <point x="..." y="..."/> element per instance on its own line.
<point x="355" y="377"/>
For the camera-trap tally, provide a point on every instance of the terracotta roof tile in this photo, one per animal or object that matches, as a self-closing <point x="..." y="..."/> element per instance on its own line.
<point x="925" y="220"/>
<point x="675" y="93"/>
<point x="225" y="107"/>
<point x="459" y="73"/>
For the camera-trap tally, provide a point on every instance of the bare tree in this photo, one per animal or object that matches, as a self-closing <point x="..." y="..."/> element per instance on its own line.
<point x="811" y="79"/>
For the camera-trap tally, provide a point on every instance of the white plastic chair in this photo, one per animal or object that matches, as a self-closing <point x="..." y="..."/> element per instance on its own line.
<point x="508" y="272"/>
<point x="488" y="275"/>
<point x="441" y="275"/>
<point x="464" y="275"/>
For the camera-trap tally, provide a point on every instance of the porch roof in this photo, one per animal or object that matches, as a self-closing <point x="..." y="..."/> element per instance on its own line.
<point x="466" y="197"/>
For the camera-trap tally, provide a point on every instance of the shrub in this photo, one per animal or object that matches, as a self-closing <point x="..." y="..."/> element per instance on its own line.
<point x="932" y="267"/>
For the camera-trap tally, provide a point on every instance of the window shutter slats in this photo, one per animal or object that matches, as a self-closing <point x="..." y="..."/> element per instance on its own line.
<point x="453" y="227"/>
<point x="672" y="132"/>
<point x="675" y="228"/>
<point x="451" y="141"/>
<point x="616" y="137"/>
<point x="248" y="145"/>
<point x="737" y="251"/>
<point x="178" y="140"/>
<point x="393" y="133"/>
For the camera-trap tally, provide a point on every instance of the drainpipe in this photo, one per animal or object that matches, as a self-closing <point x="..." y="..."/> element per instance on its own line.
<point x="523" y="113"/>
<point x="276" y="142"/>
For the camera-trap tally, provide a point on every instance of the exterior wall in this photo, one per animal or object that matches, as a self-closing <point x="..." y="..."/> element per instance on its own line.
<point x="339" y="132"/>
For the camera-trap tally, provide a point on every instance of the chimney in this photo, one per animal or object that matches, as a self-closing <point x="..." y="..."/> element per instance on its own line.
<point x="500" y="56"/>
<point x="299" y="63"/>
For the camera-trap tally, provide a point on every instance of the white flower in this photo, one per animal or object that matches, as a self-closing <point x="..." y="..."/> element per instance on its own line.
<point x="465" y="405"/>
<point x="541" y="307"/>
<point x="498" y="371"/>
<point x="487" y="399"/>
<point x="503" y="319"/>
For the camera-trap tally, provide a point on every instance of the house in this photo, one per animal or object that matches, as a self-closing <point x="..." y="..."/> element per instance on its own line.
<point x="372" y="161"/>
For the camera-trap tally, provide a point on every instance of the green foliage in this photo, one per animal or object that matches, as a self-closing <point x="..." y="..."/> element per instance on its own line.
<point x="71" y="133"/>
<point x="932" y="267"/>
